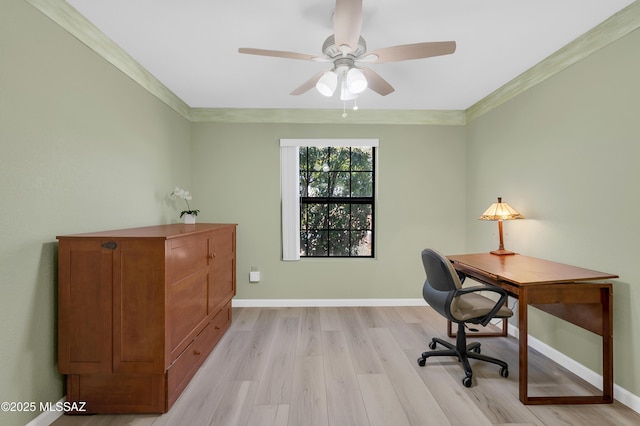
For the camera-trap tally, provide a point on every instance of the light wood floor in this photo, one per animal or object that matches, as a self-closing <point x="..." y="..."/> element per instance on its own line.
<point x="357" y="366"/>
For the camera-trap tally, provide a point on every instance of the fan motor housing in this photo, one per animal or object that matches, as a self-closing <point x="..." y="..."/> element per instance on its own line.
<point x="332" y="51"/>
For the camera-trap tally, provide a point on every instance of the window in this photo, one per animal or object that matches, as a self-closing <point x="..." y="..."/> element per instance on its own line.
<point x="336" y="201"/>
<point x="328" y="197"/>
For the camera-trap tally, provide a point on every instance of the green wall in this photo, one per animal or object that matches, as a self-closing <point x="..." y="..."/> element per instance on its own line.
<point x="82" y="148"/>
<point x="420" y="202"/>
<point x="565" y="154"/>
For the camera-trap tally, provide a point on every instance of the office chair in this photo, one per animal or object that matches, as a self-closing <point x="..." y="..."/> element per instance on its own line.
<point x="443" y="291"/>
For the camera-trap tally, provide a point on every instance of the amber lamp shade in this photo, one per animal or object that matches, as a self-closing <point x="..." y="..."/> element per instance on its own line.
<point x="500" y="211"/>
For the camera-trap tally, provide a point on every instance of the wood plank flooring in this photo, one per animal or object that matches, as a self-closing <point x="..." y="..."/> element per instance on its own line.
<point x="358" y="366"/>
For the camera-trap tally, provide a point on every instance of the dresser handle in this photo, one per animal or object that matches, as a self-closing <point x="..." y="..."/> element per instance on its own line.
<point x="217" y="327"/>
<point x="196" y="352"/>
<point x="211" y="256"/>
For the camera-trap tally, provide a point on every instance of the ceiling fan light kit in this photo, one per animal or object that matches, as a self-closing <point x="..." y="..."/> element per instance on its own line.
<point x="345" y="48"/>
<point x="352" y="82"/>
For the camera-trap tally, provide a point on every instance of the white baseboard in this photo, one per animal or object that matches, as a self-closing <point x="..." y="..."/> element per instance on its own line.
<point x="297" y="303"/>
<point x="47" y="417"/>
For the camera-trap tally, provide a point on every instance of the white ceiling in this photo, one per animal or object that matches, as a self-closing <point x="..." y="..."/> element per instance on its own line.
<point x="191" y="46"/>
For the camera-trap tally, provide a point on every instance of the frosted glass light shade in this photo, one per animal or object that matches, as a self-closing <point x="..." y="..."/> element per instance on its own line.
<point x="327" y="84"/>
<point x="356" y="81"/>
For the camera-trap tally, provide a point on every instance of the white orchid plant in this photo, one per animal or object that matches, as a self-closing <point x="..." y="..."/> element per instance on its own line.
<point x="186" y="196"/>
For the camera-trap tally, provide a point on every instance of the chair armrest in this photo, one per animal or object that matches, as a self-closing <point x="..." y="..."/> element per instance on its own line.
<point x="503" y="298"/>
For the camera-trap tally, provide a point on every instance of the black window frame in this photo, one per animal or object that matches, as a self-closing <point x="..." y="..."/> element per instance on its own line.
<point x="338" y="200"/>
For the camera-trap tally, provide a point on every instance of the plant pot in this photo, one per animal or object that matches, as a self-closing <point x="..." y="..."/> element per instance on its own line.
<point x="189" y="218"/>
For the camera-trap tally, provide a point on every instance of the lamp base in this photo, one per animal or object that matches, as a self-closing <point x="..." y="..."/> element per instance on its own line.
<point x="502" y="252"/>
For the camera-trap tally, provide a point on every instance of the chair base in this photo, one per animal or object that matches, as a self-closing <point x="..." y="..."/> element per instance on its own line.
<point x="463" y="352"/>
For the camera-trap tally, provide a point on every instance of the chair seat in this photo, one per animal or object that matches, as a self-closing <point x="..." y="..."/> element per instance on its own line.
<point x="473" y="305"/>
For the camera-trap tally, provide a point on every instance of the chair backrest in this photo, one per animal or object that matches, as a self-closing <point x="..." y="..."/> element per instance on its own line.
<point x="441" y="283"/>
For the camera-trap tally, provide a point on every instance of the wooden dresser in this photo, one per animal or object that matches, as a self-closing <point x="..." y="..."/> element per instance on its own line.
<point x="139" y="310"/>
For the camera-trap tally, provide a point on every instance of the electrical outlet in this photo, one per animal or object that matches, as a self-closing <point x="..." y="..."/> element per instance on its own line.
<point x="254" y="275"/>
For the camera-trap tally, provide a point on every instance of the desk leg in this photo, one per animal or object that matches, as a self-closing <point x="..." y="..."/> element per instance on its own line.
<point x="607" y="344"/>
<point x="523" y="347"/>
<point x="600" y="321"/>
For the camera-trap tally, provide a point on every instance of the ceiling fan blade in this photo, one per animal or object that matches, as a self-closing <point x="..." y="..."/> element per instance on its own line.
<point x="410" y="51"/>
<point x="307" y="85"/>
<point x="282" y="54"/>
<point x="347" y="24"/>
<point x="377" y="83"/>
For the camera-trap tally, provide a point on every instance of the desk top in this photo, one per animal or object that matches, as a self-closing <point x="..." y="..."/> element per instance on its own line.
<point x="525" y="270"/>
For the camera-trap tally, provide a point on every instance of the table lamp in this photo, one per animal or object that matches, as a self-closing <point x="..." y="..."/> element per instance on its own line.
<point x="500" y="211"/>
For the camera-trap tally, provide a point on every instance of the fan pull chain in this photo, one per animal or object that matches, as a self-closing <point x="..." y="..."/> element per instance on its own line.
<point x="344" y="107"/>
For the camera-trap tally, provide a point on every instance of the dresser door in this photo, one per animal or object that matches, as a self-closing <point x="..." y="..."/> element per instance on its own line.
<point x="138" y="304"/>
<point x="188" y="277"/>
<point x="223" y="268"/>
<point x="85" y="272"/>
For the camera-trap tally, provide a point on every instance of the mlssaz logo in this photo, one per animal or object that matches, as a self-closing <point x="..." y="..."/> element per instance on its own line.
<point x="66" y="406"/>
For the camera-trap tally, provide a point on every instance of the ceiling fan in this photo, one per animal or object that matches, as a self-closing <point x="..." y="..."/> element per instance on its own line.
<point x="346" y="49"/>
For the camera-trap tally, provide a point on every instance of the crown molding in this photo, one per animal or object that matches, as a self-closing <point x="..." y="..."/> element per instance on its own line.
<point x="326" y="116"/>
<point x="617" y="26"/>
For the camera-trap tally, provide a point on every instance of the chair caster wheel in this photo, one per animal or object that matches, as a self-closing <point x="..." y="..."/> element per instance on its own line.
<point x="504" y="372"/>
<point x="432" y="345"/>
<point x="476" y="349"/>
<point x="422" y="362"/>
<point x="466" y="381"/>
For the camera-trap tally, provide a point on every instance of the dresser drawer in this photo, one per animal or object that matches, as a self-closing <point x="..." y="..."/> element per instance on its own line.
<point x="186" y="365"/>
<point x="217" y="327"/>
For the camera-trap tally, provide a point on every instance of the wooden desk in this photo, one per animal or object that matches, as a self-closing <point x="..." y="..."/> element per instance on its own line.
<point x="565" y="291"/>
